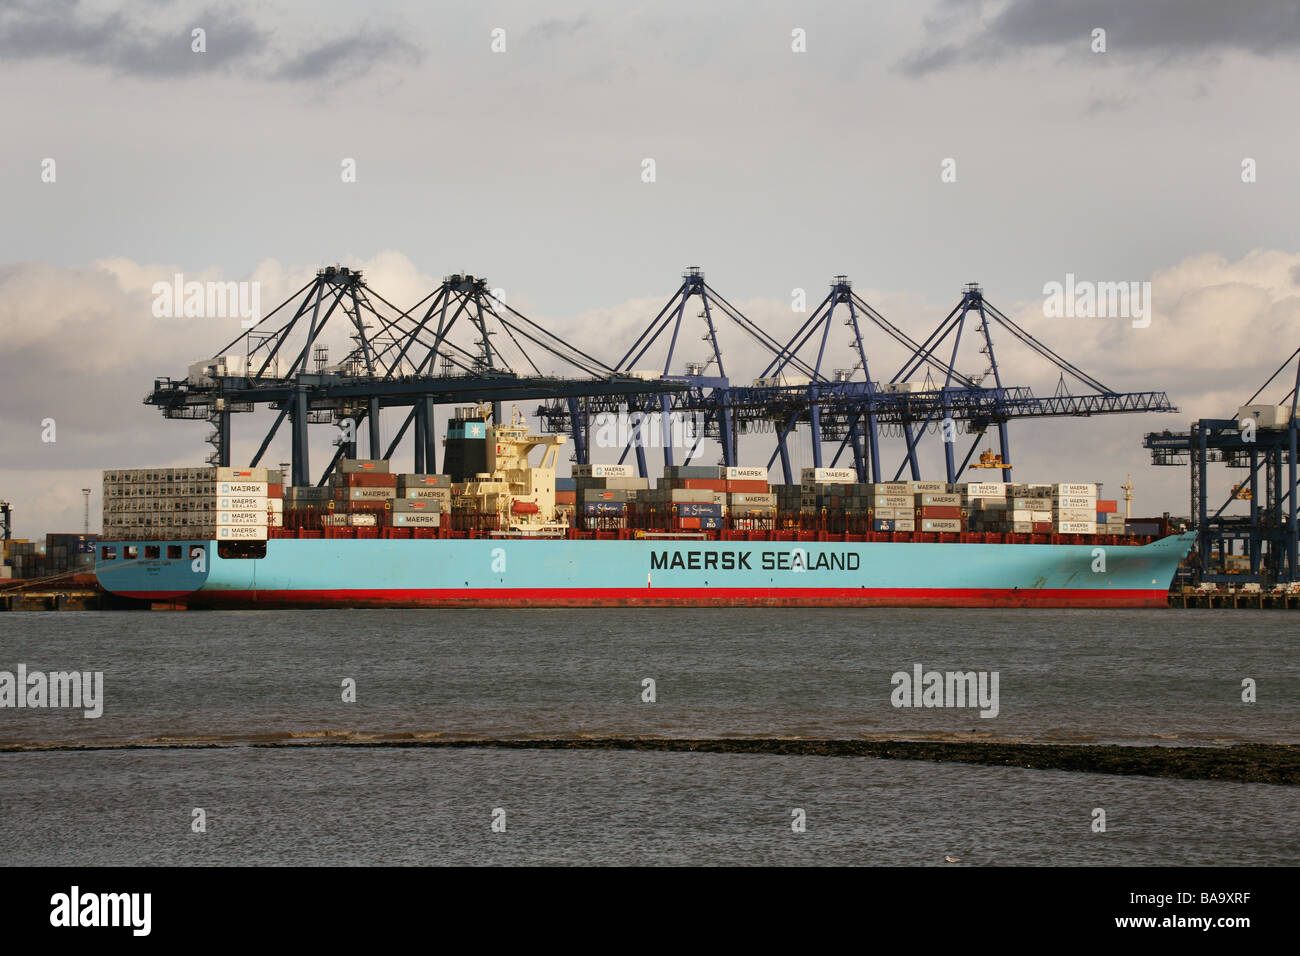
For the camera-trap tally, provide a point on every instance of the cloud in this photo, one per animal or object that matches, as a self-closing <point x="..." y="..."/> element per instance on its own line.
<point x="129" y="44"/>
<point x="553" y="28"/>
<point x="348" y="57"/>
<point x="65" y="30"/>
<point x="1166" y="28"/>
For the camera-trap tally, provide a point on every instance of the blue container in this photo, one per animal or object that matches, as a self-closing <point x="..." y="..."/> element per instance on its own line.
<point x="566" y="484"/>
<point x="711" y="524"/>
<point x="597" y="509"/>
<point x="882" y="524"/>
<point x="698" y="509"/>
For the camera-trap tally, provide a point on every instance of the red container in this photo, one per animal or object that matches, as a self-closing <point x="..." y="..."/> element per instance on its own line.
<point x="1042" y="527"/>
<point x="566" y="497"/>
<point x="688" y="524"/>
<point x="939" y="511"/>
<point x="368" y="481"/>
<point x="700" y="484"/>
<point x="275" y="491"/>
<point x="748" y="487"/>
<point x="1107" y="507"/>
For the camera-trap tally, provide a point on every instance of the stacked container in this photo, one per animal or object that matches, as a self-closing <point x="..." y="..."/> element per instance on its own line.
<point x="1074" y="508"/>
<point x="421" y="500"/>
<point x="199" y="502"/>
<point x="362" y="491"/>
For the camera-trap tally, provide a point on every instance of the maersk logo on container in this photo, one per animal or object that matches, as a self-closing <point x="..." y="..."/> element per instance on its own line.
<point x="1098" y="300"/>
<point x="208" y="300"/>
<point x="922" y="688"/>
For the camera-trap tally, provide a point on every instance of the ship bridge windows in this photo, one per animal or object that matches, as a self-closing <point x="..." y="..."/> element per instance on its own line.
<point x="173" y="552"/>
<point x="152" y="551"/>
<point x="108" y="554"/>
<point x="130" y="551"/>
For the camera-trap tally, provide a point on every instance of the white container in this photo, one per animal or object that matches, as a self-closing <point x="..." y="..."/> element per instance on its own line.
<point x="242" y="503"/>
<point x="1075" y="501"/>
<point x="253" y="488"/>
<point x="891" y="501"/>
<point x="1265" y="416"/>
<point x="1085" y="491"/>
<point x="746" y="473"/>
<point x="234" y="518"/>
<point x="891" y="488"/>
<point x="982" y="489"/>
<point x="242" y="533"/>
<point x="823" y="476"/>
<point x="1074" y="514"/>
<point x="1076" y="527"/>
<point x="927" y="487"/>
<point x="603" y="471"/>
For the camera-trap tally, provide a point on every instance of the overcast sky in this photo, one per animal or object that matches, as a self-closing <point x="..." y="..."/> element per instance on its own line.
<point x="775" y="170"/>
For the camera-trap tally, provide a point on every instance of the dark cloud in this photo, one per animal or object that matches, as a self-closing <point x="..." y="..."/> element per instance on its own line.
<point x="348" y="57"/>
<point x="128" y="43"/>
<point x="65" y="29"/>
<point x="1171" y="28"/>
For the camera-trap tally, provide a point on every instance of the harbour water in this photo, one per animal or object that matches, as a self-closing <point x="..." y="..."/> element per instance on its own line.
<point x="280" y="678"/>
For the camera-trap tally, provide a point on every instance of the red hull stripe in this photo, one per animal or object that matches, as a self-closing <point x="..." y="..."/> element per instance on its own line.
<point x="681" y="597"/>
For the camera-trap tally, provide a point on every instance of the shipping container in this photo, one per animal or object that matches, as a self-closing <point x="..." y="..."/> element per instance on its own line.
<point x="241" y="533"/>
<point x="363" y="466"/>
<point x="410" y="481"/>
<point x="1076" y="527"/>
<point x="364" y="494"/>
<point x="603" y="471"/>
<point x="941" y="524"/>
<point x="416" y="520"/>
<point x="232" y="518"/>
<point x="699" y="509"/>
<point x="1079" y="490"/>
<point x="939" y="512"/>
<point x="824" y="475"/>
<point x="416" y="506"/>
<point x="942" y="500"/>
<point x="237" y="474"/>
<point x="257" y="488"/>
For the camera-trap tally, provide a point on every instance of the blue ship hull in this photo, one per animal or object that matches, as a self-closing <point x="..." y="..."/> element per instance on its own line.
<point x="497" y="572"/>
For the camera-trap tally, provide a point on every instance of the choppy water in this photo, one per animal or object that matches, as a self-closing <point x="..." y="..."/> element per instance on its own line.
<point x="1137" y="677"/>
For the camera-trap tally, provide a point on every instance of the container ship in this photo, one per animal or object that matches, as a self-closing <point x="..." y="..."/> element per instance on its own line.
<point x="497" y="530"/>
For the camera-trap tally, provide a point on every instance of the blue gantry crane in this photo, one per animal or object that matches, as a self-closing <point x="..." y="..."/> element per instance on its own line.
<point x="461" y="343"/>
<point x="1261" y="439"/>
